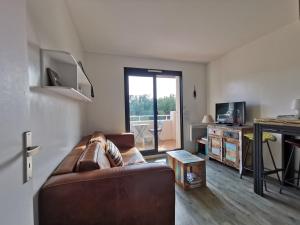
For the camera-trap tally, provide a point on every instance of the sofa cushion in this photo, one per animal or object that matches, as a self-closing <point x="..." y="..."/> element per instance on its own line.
<point x="113" y="154"/>
<point x="122" y="140"/>
<point x="132" y="156"/>
<point x="68" y="165"/>
<point x="93" y="158"/>
<point x="102" y="159"/>
<point x="98" y="136"/>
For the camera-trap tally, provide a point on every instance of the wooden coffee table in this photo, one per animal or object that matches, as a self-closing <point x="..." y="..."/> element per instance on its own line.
<point x="190" y="171"/>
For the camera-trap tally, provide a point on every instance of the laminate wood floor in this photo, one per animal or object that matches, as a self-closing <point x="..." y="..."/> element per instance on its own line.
<point x="229" y="200"/>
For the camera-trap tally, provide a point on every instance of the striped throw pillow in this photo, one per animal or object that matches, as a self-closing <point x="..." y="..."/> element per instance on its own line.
<point x="113" y="154"/>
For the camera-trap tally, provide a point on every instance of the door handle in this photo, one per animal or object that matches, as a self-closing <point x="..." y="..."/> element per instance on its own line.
<point x="29" y="151"/>
<point x="33" y="150"/>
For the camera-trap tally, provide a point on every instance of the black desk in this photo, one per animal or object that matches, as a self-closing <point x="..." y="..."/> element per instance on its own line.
<point x="286" y="129"/>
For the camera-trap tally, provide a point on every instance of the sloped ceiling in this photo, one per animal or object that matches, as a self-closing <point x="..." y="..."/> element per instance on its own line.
<point x="186" y="30"/>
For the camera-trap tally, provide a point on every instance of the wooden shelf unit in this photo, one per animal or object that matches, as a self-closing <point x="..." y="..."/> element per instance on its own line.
<point x="75" y="85"/>
<point x="226" y="144"/>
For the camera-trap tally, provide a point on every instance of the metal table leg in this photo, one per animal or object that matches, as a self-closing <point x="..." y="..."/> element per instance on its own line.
<point x="258" y="166"/>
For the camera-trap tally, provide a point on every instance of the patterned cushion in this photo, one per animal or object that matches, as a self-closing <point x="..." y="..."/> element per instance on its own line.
<point x="113" y="154"/>
<point x="132" y="156"/>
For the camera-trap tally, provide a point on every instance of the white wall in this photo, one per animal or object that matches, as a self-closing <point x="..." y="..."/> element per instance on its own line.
<point x="264" y="73"/>
<point x="56" y="122"/>
<point x="53" y="27"/>
<point x="107" y="113"/>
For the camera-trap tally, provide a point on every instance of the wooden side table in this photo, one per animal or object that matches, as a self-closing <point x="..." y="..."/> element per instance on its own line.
<point x="190" y="170"/>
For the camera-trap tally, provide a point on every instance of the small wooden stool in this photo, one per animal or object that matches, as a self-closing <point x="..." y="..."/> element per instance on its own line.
<point x="295" y="144"/>
<point x="265" y="139"/>
<point x="189" y="169"/>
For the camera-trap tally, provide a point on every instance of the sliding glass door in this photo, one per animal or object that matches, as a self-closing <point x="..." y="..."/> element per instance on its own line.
<point x="169" y="112"/>
<point x="141" y="111"/>
<point x="153" y="109"/>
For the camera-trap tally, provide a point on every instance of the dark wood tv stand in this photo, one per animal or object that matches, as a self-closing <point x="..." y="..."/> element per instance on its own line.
<point x="226" y="144"/>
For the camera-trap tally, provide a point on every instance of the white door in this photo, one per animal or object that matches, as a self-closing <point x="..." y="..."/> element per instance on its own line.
<point x="16" y="204"/>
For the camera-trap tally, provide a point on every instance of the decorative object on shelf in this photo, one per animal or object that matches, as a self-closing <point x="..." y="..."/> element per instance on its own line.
<point x="53" y="77"/>
<point x="207" y="119"/>
<point x="287" y="117"/>
<point x="194" y="92"/>
<point x="296" y="107"/>
<point x="92" y="88"/>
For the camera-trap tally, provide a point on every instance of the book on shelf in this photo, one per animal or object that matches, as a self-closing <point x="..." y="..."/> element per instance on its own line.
<point x="287" y="117"/>
<point x="194" y="185"/>
<point x="195" y="182"/>
<point x="192" y="178"/>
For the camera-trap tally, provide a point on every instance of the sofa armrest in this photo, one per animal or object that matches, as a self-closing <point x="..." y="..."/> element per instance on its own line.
<point x="136" y="194"/>
<point x="122" y="140"/>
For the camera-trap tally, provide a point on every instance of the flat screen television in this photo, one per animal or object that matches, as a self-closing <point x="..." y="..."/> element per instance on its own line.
<point x="231" y="113"/>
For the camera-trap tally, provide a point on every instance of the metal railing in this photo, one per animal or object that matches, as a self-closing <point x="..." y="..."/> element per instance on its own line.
<point x="148" y="117"/>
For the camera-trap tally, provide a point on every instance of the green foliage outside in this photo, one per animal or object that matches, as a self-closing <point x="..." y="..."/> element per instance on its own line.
<point x="166" y="104"/>
<point x="143" y="105"/>
<point x="140" y="105"/>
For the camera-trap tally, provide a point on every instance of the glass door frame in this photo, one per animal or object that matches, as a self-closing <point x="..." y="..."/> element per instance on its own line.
<point x="154" y="73"/>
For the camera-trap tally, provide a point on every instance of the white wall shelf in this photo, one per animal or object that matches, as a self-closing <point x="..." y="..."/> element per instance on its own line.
<point x="65" y="91"/>
<point x="74" y="83"/>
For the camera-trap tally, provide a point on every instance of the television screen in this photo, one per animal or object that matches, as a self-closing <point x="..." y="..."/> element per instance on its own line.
<point x="231" y="112"/>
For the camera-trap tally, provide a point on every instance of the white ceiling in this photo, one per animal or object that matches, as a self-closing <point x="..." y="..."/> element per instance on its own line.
<point x="187" y="30"/>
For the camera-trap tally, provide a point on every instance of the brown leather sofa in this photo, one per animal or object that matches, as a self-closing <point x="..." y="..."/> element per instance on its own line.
<point x="85" y="190"/>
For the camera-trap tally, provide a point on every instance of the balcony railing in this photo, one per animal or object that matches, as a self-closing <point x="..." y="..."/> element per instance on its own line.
<point x="142" y="127"/>
<point x="148" y="117"/>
